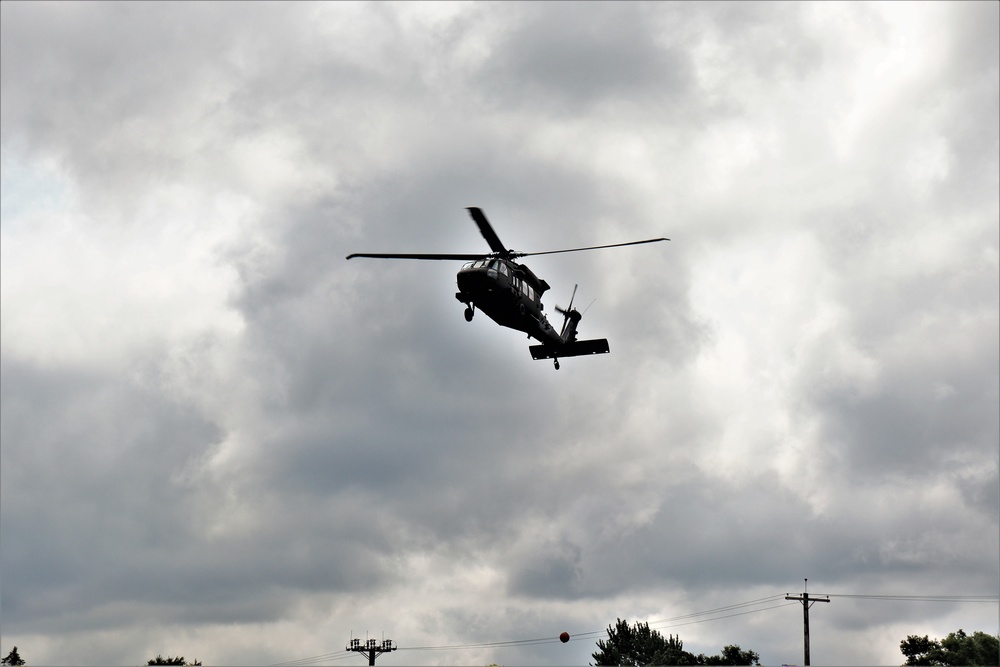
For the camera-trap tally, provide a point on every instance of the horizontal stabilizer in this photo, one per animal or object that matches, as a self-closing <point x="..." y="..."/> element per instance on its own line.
<point x="574" y="349"/>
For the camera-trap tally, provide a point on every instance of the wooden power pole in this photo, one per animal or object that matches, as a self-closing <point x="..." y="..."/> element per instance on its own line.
<point x="371" y="647"/>
<point x="805" y="600"/>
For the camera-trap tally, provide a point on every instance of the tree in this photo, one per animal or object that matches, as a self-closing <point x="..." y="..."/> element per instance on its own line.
<point x="13" y="658"/>
<point x="179" y="660"/>
<point x="634" y="646"/>
<point x="638" y="645"/>
<point x="957" y="648"/>
<point x="731" y="655"/>
<point x="673" y="653"/>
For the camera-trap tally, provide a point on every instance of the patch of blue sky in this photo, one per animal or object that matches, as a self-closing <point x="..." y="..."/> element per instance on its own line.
<point x="29" y="187"/>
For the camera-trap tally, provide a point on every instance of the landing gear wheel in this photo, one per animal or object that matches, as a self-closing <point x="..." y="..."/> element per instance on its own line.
<point x="556" y="362"/>
<point x="469" y="313"/>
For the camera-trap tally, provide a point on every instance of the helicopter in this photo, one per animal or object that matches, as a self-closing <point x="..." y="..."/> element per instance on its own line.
<point x="511" y="294"/>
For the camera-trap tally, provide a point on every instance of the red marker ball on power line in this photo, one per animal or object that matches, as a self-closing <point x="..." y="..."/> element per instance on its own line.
<point x="564" y="637"/>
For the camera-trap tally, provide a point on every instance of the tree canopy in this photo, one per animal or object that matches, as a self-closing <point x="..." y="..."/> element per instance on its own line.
<point x="638" y="645"/>
<point x="957" y="648"/>
<point x="179" y="660"/>
<point x="13" y="658"/>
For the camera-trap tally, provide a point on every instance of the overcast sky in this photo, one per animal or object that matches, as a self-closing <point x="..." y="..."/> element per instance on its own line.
<point x="220" y="439"/>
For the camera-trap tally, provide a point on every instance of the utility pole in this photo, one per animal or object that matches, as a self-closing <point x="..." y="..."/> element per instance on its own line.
<point x="371" y="647"/>
<point x="805" y="600"/>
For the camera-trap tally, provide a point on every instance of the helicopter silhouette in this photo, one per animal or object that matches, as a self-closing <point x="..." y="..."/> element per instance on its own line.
<point x="511" y="294"/>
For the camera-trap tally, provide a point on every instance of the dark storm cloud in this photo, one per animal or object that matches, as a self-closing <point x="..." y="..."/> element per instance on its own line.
<point x="89" y="94"/>
<point x="568" y="60"/>
<point x="109" y="475"/>
<point x="548" y="572"/>
<point x="703" y="534"/>
<point x="123" y="524"/>
<point x="932" y="415"/>
<point x="163" y="95"/>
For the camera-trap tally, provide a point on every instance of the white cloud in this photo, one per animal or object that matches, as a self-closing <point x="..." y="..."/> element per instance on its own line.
<point x="79" y="291"/>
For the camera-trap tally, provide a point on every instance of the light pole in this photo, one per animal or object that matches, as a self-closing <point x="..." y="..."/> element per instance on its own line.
<point x="371" y="647"/>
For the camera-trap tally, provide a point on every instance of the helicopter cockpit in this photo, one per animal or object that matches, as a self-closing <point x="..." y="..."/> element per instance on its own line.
<point x="478" y="264"/>
<point x="486" y="263"/>
<point x="492" y="265"/>
<point x="505" y="273"/>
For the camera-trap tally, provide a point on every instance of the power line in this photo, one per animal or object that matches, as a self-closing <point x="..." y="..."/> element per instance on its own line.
<point x="920" y="598"/>
<point x="516" y="642"/>
<point x="327" y="657"/>
<point x="740" y="605"/>
<point x="684" y="619"/>
<point x="719" y="618"/>
<point x="661" y="623"/>
<point x="673" y="621"/>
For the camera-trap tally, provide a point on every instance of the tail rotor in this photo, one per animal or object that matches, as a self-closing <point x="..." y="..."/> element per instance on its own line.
<point x="570" y="346"/>
<point x="571" y="318"/>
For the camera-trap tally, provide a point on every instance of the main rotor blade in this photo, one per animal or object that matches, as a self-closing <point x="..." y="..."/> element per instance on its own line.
<point x="593" y="247"/>
<point x="396" y="255"/>
<point x="486" y="229"/>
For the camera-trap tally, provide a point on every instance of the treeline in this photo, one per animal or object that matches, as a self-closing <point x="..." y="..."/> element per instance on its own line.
<point x="14" y="658"/>
<point x="637" y="645"/>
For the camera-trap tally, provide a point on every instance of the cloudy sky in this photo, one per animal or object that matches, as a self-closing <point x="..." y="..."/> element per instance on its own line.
<point x="221" y="439"/>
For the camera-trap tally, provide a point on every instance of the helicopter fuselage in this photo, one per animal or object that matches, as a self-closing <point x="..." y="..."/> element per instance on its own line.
<point x="510" y="294"/>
